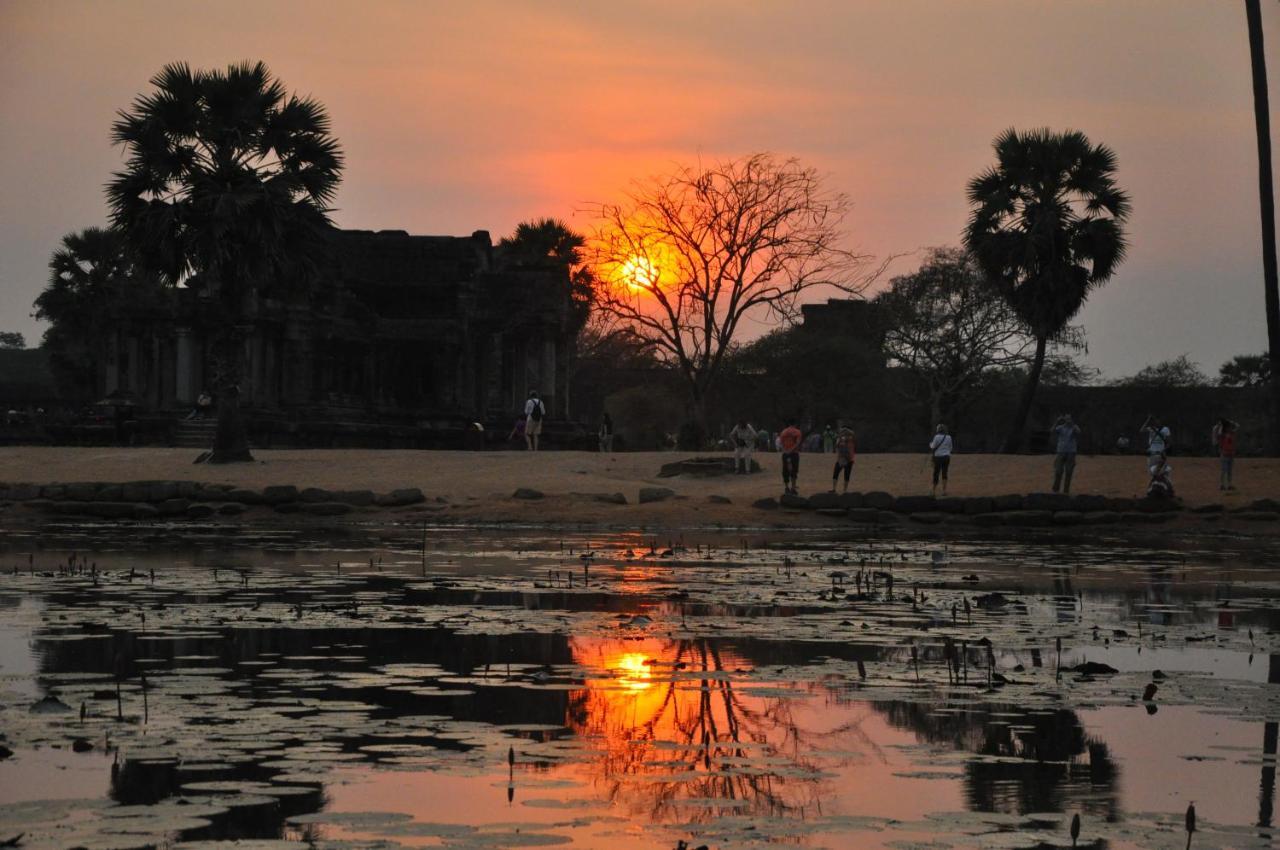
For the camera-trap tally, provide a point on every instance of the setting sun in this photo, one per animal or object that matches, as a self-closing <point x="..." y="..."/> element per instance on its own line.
<point x="638" y="273"/>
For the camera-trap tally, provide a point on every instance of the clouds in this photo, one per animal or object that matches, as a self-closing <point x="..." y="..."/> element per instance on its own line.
<point x="456" y="118"/>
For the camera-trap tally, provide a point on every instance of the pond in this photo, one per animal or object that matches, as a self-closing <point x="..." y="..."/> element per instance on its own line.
<point x="466" y="687"/>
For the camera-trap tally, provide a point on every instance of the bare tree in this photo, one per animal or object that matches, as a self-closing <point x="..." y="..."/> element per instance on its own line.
<point x="686" y="257"/>
<point x="947" y="325"/>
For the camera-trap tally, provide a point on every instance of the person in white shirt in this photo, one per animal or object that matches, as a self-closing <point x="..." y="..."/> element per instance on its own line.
<point x="534" y="412"/>
<point x="940" y="448"/>
<point x="1158" y="438"/>
<point x="743" y="439"/>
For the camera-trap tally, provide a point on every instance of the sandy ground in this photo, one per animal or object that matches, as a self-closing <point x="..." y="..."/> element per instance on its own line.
<point x="478" y="485"/>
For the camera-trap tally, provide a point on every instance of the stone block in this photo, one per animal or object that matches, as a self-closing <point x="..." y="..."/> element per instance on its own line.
<point x="912" y="504"/>
<point x="824" y="501"/>
<point x="22" y="492"/>
<point x="39" y="504"/>
<point x="1156" y="506"/>
<point x="1259" y="516"/>
<point x="315" y="494"/>
<point x="520" y="493"/>
<point x="244" y="496"/>
<point x="110" y="510"/>
<point x="288" y="507"/>
<point x="173" y="507"/>
<point x="852" y="500"/>
<point x="988" y="520"/>
<point x="793" y="502"/>
<point x="53" y="491"/>
<point x="610" y="498"/>
<point x="145" y="510"/>
<point x="888" y="518"/>
<point x="135" y="491"/>
<point x="766" y="504"/>
<point x="325" y="508"/>
<point x="1271" y="505"/>
<point x="1068" y="518"/>
<point x="868" y="516"/>
<point x="1027" y="518"/>
<point x="1214" y="508"/>
<point x="232" y="508"/>
<point x="833" y="512"/>
<point x="927" y="517"/>
<point x="951" y="505"/>
<point x="82" y="491"/>
<point x="1088" y="502"/>
<point x="162" y="491"/>
<point x="719" y="500"/>
<point x="1120" y="504"/>
<point x="187" y="489"/>
<point x="978" y="505"/>
<point x="359" y="498"/>
<point x="655" y="494"/>
<point x="200" y="510"/>
<point x="1046" y="502"/>
<point x="1101" y="517"/>
<point x="400" y="498"/>
<point x="1144" y="517"/>
<point x="1007" y="502"/>
<point x="110" y="493"/>
<point x="878" y="499"/>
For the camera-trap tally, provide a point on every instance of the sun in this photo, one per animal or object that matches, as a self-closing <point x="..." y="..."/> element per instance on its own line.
<point x="638" y="274"/>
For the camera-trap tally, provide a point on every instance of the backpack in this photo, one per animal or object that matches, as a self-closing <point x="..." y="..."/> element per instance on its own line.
<point x="536" y="413"/>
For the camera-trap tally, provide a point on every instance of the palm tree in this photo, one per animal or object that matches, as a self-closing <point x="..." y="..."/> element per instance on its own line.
<point x="92" y="285"/>
<point x="1266" y="201"/>
<point x="1046" y="228"/>
<point x="225" y="189"/>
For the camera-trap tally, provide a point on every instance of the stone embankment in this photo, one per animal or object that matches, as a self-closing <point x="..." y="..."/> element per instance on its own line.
<point x="1033" y="509"/>
<point x="193" y="500"/>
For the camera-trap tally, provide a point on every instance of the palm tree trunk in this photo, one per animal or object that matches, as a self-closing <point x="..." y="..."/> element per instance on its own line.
<point x="1266" y="200"/>
<point x="230" y="441"/>
<point x="1013" y="442"/>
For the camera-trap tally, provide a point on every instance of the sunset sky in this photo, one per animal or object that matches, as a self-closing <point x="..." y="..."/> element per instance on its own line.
<point x="464" y="116"/>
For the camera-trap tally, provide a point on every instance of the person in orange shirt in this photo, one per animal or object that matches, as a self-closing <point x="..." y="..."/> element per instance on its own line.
<point x="789" y="440"/>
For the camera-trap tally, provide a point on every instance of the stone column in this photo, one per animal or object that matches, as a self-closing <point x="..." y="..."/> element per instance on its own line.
<point x="184" y="392"/>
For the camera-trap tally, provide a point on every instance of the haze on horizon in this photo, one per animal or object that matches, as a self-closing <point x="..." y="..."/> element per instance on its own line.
<point x="456" y="119"/>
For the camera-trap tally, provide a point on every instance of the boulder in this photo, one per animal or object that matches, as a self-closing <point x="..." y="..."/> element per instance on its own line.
<point x="610" y="498"/>
<point x="793" y="502"/>
<point x="288" y="507"/>
<point x="912" y="504"/>
<point x="766" y="504"/>
<point x="1157" y="506"/>
<point x="244" y="496"/>
<point x="1214" y="508"/>
<point x="719" y="500"/>
<point x="888" y="518"/>
<point x="278" y="494"/>
<point x="523" y="493"/>
<point x="173" y="507"/>
<point x="145" y="510"/>
<point x="1068" y="518"/>
<point x="110" y="493"/>
<point x="400" y="498"/>
<point x="315" y="494"/>
<point x="1120" y="504"/>
<point x="22" y="492"/>
<point x="878" y="499"/>
<point x="655" y="494"/>
<point x="704" y="467"/>
<point x="187" y="489"/>
<point x="863" y="515"/>
<point x="325" y="508"/>
<point x="110" y="510"/>
<point x="39" y="504"/>
<point x="927" y="517"/>
<point x="1145" y="517"/>
<point x="231" y="508"/>
<point x="1100" y="517"/>
<point x="832" y="512"/>
<point x="852" y="500"/>
<point x="135" y="491"/>
<point x="1046" y="502"/>
<point x="951" y="505"/>
<point x="82" y="491"/>
<point x="200" y="510"/>
<point x="988" y="520"/>
<point x="1271" y="505"/>
<point x="53" y="491"/>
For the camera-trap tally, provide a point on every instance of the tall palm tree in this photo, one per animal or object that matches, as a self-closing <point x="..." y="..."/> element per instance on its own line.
<point x="225" y="187"/>
<point x="1047" y="227"/>
<point x="1267" y="204"/>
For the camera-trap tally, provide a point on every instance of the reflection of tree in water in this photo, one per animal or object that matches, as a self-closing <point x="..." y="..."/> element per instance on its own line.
<point x="667" y="735"/>
<point x="1058" y="765"/>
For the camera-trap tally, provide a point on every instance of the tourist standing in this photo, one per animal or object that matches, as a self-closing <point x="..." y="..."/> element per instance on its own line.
<point x="1159" y="438"/>
<point x="606" y="432"/>
<point x="743" y="439"/>
<point x="534" y="412"/>
<point x="845" y="453"/>
<point x="789" y="444"/>
<point x="517" y="431"/>
<point x="828" y="439"/>
<point x="1224" y="438"/>
<point x="940" y="449"/>
<point x="1067" y="434"/>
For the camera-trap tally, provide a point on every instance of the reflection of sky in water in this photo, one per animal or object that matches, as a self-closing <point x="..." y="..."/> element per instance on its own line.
<point x="19" y="616"/>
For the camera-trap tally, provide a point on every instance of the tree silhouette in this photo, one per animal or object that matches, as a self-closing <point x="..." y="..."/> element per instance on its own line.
<point x="225" y="190"/>
<point x="686" y="257"/>
<point x="1046" y="228"/>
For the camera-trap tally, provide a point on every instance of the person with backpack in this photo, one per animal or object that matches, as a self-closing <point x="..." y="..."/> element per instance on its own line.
<point x="1224" y="439"/>
<point x="1159" y="438"/>
<point x="534" y="412"/>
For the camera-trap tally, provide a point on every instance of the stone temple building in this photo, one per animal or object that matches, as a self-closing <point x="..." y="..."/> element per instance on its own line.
<point x="418" y="330"/>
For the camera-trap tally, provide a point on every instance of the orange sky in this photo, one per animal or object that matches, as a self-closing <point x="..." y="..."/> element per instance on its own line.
<point x="458" y="117"/>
